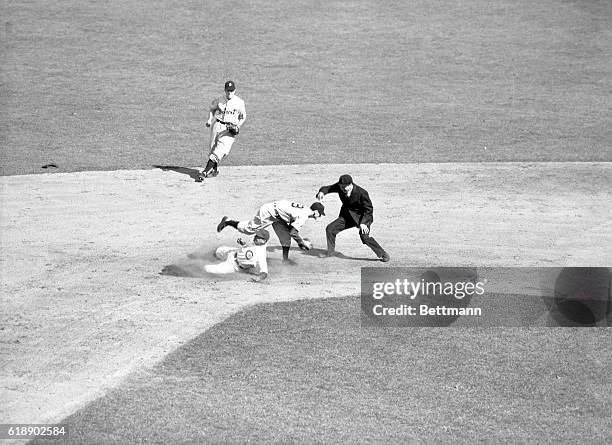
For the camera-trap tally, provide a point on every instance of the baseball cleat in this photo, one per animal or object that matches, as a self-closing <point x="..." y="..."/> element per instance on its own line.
<point x="288" y="262"/>
<point x="212" y="174"/>
<point x="385" y="258"/>
<point x="222" y="224"/>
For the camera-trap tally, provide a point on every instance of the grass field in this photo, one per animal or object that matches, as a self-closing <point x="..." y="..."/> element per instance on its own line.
<point x="126" y="84"/>
<point x="307" y="372"/>
<point x="420" y="100"/>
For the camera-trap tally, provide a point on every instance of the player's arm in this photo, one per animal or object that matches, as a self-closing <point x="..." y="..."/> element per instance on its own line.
<point x="214" y="106"/>
<point x="302" y="244"/>
<point x="241" y="115"/>
<point x="295" y="234"/>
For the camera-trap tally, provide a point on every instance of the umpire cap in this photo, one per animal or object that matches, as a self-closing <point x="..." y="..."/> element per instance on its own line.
<point x="345" y="180"/>
<point x="318" y="207"/>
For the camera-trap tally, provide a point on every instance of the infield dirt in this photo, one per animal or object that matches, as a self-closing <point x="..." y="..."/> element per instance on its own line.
<point x="85" y="305"/>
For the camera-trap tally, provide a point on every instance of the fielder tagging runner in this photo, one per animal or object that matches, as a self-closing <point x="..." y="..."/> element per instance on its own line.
<point x="286" y="218"/>
<point x="246" y="258"/>
<point x="226" y="116"/>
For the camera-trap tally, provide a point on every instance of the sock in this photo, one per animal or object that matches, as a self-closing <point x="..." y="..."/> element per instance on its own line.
<point x="210" y="166"/>
<point x="231" y="222"/>
<point x="285" y="253"/>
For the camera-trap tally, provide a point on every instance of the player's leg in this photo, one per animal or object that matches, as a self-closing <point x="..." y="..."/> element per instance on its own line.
<point x="282" y="231"/>
<point x="246" y="227"/>
<point x="373" y="244"/>
<point x="254" y="225"/>
<point x="332" y="230"/>
<point x="215" y="131"/>
<point x="211" y="165"/>
<point x="229" y="264"/>
<point x="224" y="268"/>
<point x="220" y="151"/>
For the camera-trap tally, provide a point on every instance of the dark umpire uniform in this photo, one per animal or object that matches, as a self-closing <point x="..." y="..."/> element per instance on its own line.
<point x="356" y="211"/>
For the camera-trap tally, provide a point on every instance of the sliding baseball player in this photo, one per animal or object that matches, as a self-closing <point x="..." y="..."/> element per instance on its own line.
<point x="245" y="258"/>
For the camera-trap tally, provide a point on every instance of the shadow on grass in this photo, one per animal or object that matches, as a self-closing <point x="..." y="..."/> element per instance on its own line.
<point x="191" y="172"/>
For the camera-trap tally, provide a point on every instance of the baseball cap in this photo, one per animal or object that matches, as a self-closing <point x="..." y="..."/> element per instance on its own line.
<point x="345" y="180"/>
<point x="230" y="86"/>
<point x="319" y="207"/>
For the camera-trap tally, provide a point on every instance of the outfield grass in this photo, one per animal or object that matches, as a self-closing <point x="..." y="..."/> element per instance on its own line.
<point x="126" y="84"/>
<point x="307" y="372"/>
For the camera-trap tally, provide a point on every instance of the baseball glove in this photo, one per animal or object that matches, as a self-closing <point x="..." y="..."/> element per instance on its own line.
<point x="233" y="129"/>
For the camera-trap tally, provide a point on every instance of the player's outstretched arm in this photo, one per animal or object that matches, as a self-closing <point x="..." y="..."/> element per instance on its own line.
<point x="301" y="242"/>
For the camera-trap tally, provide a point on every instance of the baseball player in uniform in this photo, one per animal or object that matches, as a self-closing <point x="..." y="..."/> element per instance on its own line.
<point x="245" y="258"/>
<point x="286" y="218"/>
<point x="225" y="117"/>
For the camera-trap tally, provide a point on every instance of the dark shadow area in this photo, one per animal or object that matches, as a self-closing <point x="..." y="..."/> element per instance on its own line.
<point x="175" y="270"/>
<point x="581" y="296"/>
<point x="191" y="172"/>
<point x="320" y="253"/>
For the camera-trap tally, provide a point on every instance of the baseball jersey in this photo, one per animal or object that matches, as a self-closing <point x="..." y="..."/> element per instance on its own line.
<point x="253" y="256"/>
<point x="229" y="111"/>
<point x="292" y="213"/>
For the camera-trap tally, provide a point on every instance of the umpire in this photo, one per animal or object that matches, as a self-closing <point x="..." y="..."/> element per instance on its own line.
<point x="356" y="211"/>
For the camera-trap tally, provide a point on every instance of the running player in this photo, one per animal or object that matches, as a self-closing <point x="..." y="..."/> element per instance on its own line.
<point x="225" y="117"/>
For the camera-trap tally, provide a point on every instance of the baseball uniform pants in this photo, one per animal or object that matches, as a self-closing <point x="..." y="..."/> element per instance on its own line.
<point x="340" y="224"/>
<point x="221" y="142"/>
<point x="229" y="265"/>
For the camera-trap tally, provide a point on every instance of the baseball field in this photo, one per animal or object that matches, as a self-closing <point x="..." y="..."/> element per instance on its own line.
<point x="481" y="130"/>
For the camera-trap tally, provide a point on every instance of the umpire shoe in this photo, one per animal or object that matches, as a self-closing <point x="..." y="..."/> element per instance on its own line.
<point x="222" y="224"/>
<point x="385" y="258"/>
